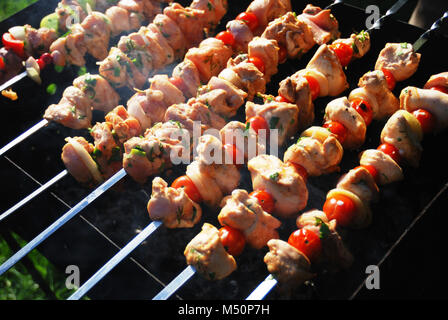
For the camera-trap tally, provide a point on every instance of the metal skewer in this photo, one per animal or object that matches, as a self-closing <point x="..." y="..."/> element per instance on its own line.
<point x="24" y="135"/>
<point x="268" y="284"/>
<point x="13" y="80"/>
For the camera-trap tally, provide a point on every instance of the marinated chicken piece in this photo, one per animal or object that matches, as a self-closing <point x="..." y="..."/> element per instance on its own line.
<point x="400" y="59"/>
<point x="190" y="21"/>
<point x="189" y="73"/>
<point x="326" y="62"/>
<point x="322" y="24"/>
<point x="376" y="84"/>
<point x="155" y="34"/>
<point x="280" y="180"/>
<point x="317" y="150"/>
<point x="340" y="110"/>
<point x="97" y="34"/>
<point x="242" y="212"/>
<point x="103" y="97"/>
<point x="76" y="155"/>
<point x="13" y="61"/>
<point x="359" y="42"/>
<point x="143" y="158"/>
<point x="404" y="132"/>
<point x="148" y="107"/>
<point x="171" y="94"/>
<point x="215" y="10"/>
<point x="268" y="10"/>
<point x="360" y="182"/>
<point x="104" y="140"/>
<point x="245" y="139"/>
<point x="206" y="253"/>
<point x="124" y="126"/>
<point x="388" y="170"/>
<point x="74" y="110"/>
<point x="245" y="76"/>
<point x="434" y="101"/>
<point x="335" y="254"/>
<point x="65" y="10"/>
<point x="71" y="48"/>
<point x="38" y="41"/>
<point x="267" y="51"/>
<point x="296" y="89"/>
<point x="172" y="33"/>
<point x="137" y="11"/>
<point x="241" y="33"/>
<point x="290" y="33"/>
<point x="210" y="57"/>
<point x="282" y="116"/>
<point x="119" y="18"/>
<point x="172" y="206"/>
<point x="322" y="80"/>
<point x="288" y="265"/>
<point x="134" y="46"/>
<point x="437" y="80"/>
<point x="191" y="112"/>
<point x="229" y="102"/>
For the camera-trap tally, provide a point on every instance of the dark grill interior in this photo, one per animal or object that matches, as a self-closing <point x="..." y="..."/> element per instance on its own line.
<point x="91" y="239"/>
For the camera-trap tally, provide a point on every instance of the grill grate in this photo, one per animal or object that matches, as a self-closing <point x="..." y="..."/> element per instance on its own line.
<point x="93" y="237"/>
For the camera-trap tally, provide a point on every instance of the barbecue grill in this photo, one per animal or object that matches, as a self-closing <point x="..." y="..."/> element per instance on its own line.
<point x="95" y="235"/>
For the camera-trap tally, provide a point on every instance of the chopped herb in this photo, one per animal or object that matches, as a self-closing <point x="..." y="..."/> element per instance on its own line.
<point x="138" y="151"/>
<point x="58" y="69"/>
<point x="274" y="176"/>
<point x="82" y="71"/>
<point x="273" y="122"/>
<point x="179" y="212"/>
<point x="116" y="71"/>
<point x="324" y="231"/>
<point x="73" y="110"/>
<point x="51" y="89"/>
<point x="404" y="45"/>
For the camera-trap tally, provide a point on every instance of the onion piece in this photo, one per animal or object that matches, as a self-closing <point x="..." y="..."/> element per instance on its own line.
<point x="33" y="70"/>
<point x="86" y="159"/>
<point x="18" y="32"/>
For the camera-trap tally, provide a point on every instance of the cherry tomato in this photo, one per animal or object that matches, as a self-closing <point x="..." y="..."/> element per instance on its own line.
<point x="178" y="83"/>
<point x="390" y="150"/>
<point x="41" y="63"/>
<point x="426" y="119"/>
<point x="372" y="170"/>
<point x="250" y="19"/>
<point x="364" y="109"/>
<point x="281" y="99"/>
<point x="2" y="64"/>
<point x="282" y="54"/>
<point x="265" y="200"/>
<point x="300" y="170"/>
<point x="258" y="123"/>
<point x="440" y="88"/>
<point x="343" y="51"/>
<point x="226" y="37"/>
<point x="233" y="152"/>
<point x="15" y="45"/>
<point x="341" y="208"/>
<point x="337" y="129"/>
<point x="391" y="82"/>
<point x="189" y="188"/>
<point x="232" y="239"/>
<point x="258" y="63"/>
<point x="46" y="58"/>
<point x="307" y="242"/>
<point x="314" y="87"/>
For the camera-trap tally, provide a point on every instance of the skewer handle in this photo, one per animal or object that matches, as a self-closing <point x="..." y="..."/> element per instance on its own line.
<point x="392" y="11"/>
<point x="428" y="33"/>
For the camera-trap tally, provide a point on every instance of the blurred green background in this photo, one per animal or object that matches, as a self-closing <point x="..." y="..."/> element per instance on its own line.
<point x="9" y="7"/>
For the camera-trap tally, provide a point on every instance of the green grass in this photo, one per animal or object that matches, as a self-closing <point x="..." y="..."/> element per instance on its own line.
<point x="18" y="284"/>
<point x="9" y="7"/>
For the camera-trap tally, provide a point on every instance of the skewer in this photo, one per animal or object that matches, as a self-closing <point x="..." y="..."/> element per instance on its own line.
<point x="267" y="285"/>
<point x="270" y="282"/>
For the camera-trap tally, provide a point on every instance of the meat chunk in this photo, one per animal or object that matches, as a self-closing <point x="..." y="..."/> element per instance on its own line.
<point x="437" y="80"/>
<point x="241" y="33"/>
<point x="375" y="84"/>
<point x="290" y="33"/>
<point x="119" y="18"/>
<point x="400" y="59"/>
<point x="172" y="206"/>
<point x="207" y="254"/>
<point x="103" y="97"/>
<point x="326" y="62"/>
<point x="282" y="116"/>
<point x="189" y="73"/>
<point x="404" y="132"/>
<point x="268" y="10"/>
<point x="171" y="94"/>
<point x="13" y="61"/>
<point x="288" y="265"/>
<point x="215" y="10"/>
<point x="71" y="48"/>
<point x="359" y="42"/>
<point x="360" y="182"/>
<point x="280" y="180"/>
<point x="97" y="34"/>
<point x="323" y="25"/>
<point x="172" y="33"/>
<point x="148" y="107"/>
<point x="388" y="170"/>
<point x="73" y="110"/>
<point x="340" y="110"/>
<point x="242" y="212"/>
<point x="434" y="101"/>
<point x="317" y="150"/>
<point x="267" y="51"/>
<point x="38" y="41"/>
<point x="124" y="125"/>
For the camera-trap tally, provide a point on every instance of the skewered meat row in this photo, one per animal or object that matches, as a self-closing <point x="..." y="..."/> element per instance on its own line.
<point x="69" y="44"/>
<point x="359" y="186"/>
<point x="150" y="104"/>
<point x="128" y="57"/>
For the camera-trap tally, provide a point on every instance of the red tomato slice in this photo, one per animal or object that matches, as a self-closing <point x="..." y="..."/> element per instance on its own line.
<point x="390" y="150"/>
<point x="2" y="64"/>
<point x="233" y="240"/>
<point x="372" y="170"/>
<point x="189" y="188"/>
<point x="258" y="123"/>
<point x="300" y="170"/>
<point x="364" y="109"/>
<point x="426" y="119"/>
<point x="258" y="63"/>
<point x="314" y="87"/>
<point x="15" y="45"/>
<point x="391" y="82"/>
<point x="337" y="129"/>
<point x="281" y="99"/>
<point x="341" y="208"/>
<point x="226" y="37"/>
<point x="307" y="242"/>
<point x="343" y="51"/>
<point x="250" y="19"/>
<point x="265" y="200"/>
